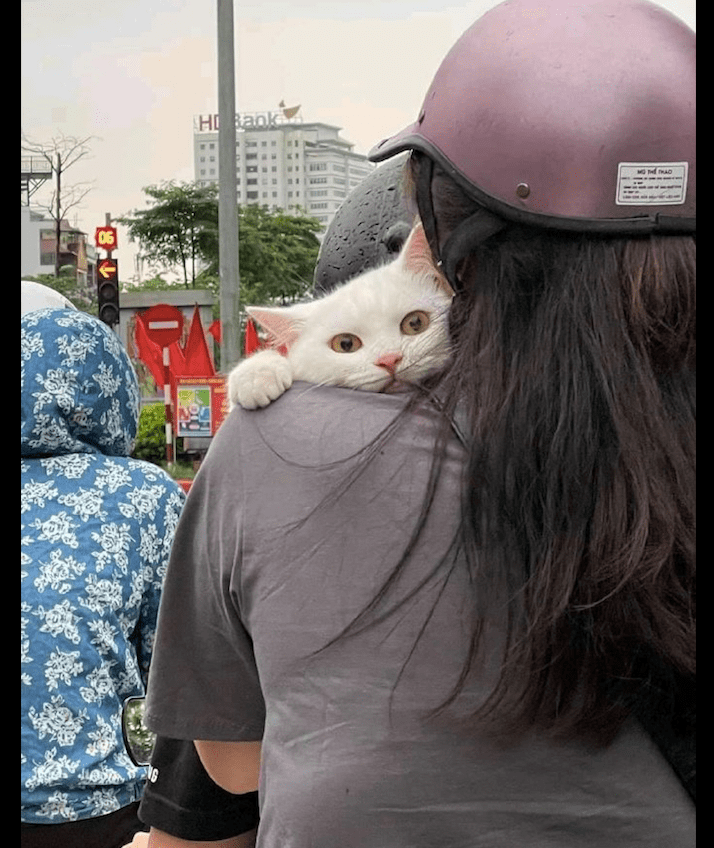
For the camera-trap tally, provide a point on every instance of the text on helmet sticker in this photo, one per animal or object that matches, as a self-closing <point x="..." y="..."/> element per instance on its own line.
<point x="651" y="183"/>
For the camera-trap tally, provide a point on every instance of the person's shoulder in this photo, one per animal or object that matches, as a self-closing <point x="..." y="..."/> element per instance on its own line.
<point x="311" y="399"/>
<point x="308" y="408"/>
<point x="313" y="420"/>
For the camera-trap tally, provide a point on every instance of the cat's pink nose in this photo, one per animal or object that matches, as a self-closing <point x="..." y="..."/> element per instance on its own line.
<point x="389" y="361"/>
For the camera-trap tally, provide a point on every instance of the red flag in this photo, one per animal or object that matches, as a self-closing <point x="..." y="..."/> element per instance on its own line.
<point x="215" y="331"/>
<point x="149" y="352"/>
<point x="252" y="342"/>
<point x="177" y="365"/>
<point x="198" y="362"/>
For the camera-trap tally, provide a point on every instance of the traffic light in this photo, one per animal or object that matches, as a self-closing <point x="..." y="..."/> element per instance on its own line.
<point x="108" y="291"/>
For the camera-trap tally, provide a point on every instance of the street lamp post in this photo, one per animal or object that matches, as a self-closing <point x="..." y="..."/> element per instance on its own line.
<point x="227" y="192"/>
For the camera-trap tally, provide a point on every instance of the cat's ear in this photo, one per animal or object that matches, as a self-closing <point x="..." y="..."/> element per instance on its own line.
<point x="282" y="323"/>
<point x="417" y="259"/>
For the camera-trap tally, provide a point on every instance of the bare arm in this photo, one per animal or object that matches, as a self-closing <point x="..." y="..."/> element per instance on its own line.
<point x="158" y="839"/>
<point x="234" y="766"/>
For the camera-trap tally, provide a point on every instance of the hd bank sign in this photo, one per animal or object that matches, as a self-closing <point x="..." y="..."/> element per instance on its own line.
<point x="249" y="120"/>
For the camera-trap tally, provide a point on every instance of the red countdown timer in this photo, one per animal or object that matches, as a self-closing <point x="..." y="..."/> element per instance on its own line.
<point x="106" y="238"/>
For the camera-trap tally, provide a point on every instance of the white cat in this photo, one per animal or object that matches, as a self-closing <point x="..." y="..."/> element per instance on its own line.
<point x="387" y="326"/>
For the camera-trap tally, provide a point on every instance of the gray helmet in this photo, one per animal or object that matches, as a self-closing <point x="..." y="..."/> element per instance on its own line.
<point x="368" y="229"/>
<point x="565" y="114"/>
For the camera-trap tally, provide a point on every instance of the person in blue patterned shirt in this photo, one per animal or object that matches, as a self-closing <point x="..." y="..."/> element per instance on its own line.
<point x="97" y="528"/>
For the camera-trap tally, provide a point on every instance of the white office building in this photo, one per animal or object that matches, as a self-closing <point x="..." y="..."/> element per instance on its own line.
<point x="283" y="162"/>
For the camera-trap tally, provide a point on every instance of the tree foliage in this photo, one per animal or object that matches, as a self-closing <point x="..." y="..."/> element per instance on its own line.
<point x="277" y="251"/>
<point x="175" y="230"/>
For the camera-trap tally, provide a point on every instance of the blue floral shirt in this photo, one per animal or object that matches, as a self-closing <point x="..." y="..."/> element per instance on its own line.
<point x="97" y="528"/>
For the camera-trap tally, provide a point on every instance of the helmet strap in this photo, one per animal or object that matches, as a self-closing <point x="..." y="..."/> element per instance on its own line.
<point x="468" y="234"/>
<point x="425" y="205"/>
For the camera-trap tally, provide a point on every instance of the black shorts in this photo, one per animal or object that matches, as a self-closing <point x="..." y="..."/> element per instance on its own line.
<point x="111" y="831"/>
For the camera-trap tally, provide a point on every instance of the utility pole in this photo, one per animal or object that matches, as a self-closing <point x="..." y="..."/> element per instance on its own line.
<point x="58" y="218"/>
<point x="227" y="191"/>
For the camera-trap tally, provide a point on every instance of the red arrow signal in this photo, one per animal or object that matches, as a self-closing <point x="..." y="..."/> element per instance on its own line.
<point x="107" y="269"/>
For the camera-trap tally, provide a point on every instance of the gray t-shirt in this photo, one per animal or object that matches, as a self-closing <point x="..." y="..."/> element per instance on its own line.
<point x="290" y="529"/>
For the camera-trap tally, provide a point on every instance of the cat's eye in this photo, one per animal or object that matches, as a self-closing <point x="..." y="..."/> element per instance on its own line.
<point x="345" y="343"/>
<point x="414" y="323"/>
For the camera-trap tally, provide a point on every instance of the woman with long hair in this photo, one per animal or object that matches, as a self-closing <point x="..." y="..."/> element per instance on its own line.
<point x="464" y="616"/>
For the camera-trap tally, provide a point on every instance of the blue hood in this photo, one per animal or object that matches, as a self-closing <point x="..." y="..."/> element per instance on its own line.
<point x="79" y="391"/>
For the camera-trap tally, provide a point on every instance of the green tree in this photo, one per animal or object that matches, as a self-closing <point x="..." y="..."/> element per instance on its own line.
<point x="175" y="229"/>
<point x="277" y="250"/>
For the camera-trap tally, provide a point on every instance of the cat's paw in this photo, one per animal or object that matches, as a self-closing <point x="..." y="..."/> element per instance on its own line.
<point x="257" y="381"/>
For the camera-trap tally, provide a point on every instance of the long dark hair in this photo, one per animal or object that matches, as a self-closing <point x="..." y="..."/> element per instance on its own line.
<point x="574" y="359"/>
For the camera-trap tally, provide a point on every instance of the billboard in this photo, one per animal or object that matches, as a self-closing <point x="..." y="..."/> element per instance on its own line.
<point x="201" y="405"/>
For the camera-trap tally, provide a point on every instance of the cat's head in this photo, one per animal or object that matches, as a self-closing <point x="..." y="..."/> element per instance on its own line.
<point x="389" y="325"/>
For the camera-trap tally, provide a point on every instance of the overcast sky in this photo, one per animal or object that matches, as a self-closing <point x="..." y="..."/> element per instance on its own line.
<point x="133" y="73"/>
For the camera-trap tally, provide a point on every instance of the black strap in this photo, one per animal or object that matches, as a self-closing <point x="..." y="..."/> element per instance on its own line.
<point x="469" y="234"/>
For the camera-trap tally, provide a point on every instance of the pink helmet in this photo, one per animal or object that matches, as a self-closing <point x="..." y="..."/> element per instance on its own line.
<point x="567" y="114"/>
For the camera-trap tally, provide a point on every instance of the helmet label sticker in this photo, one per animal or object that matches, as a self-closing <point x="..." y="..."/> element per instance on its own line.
<point x="651" y="183"/>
